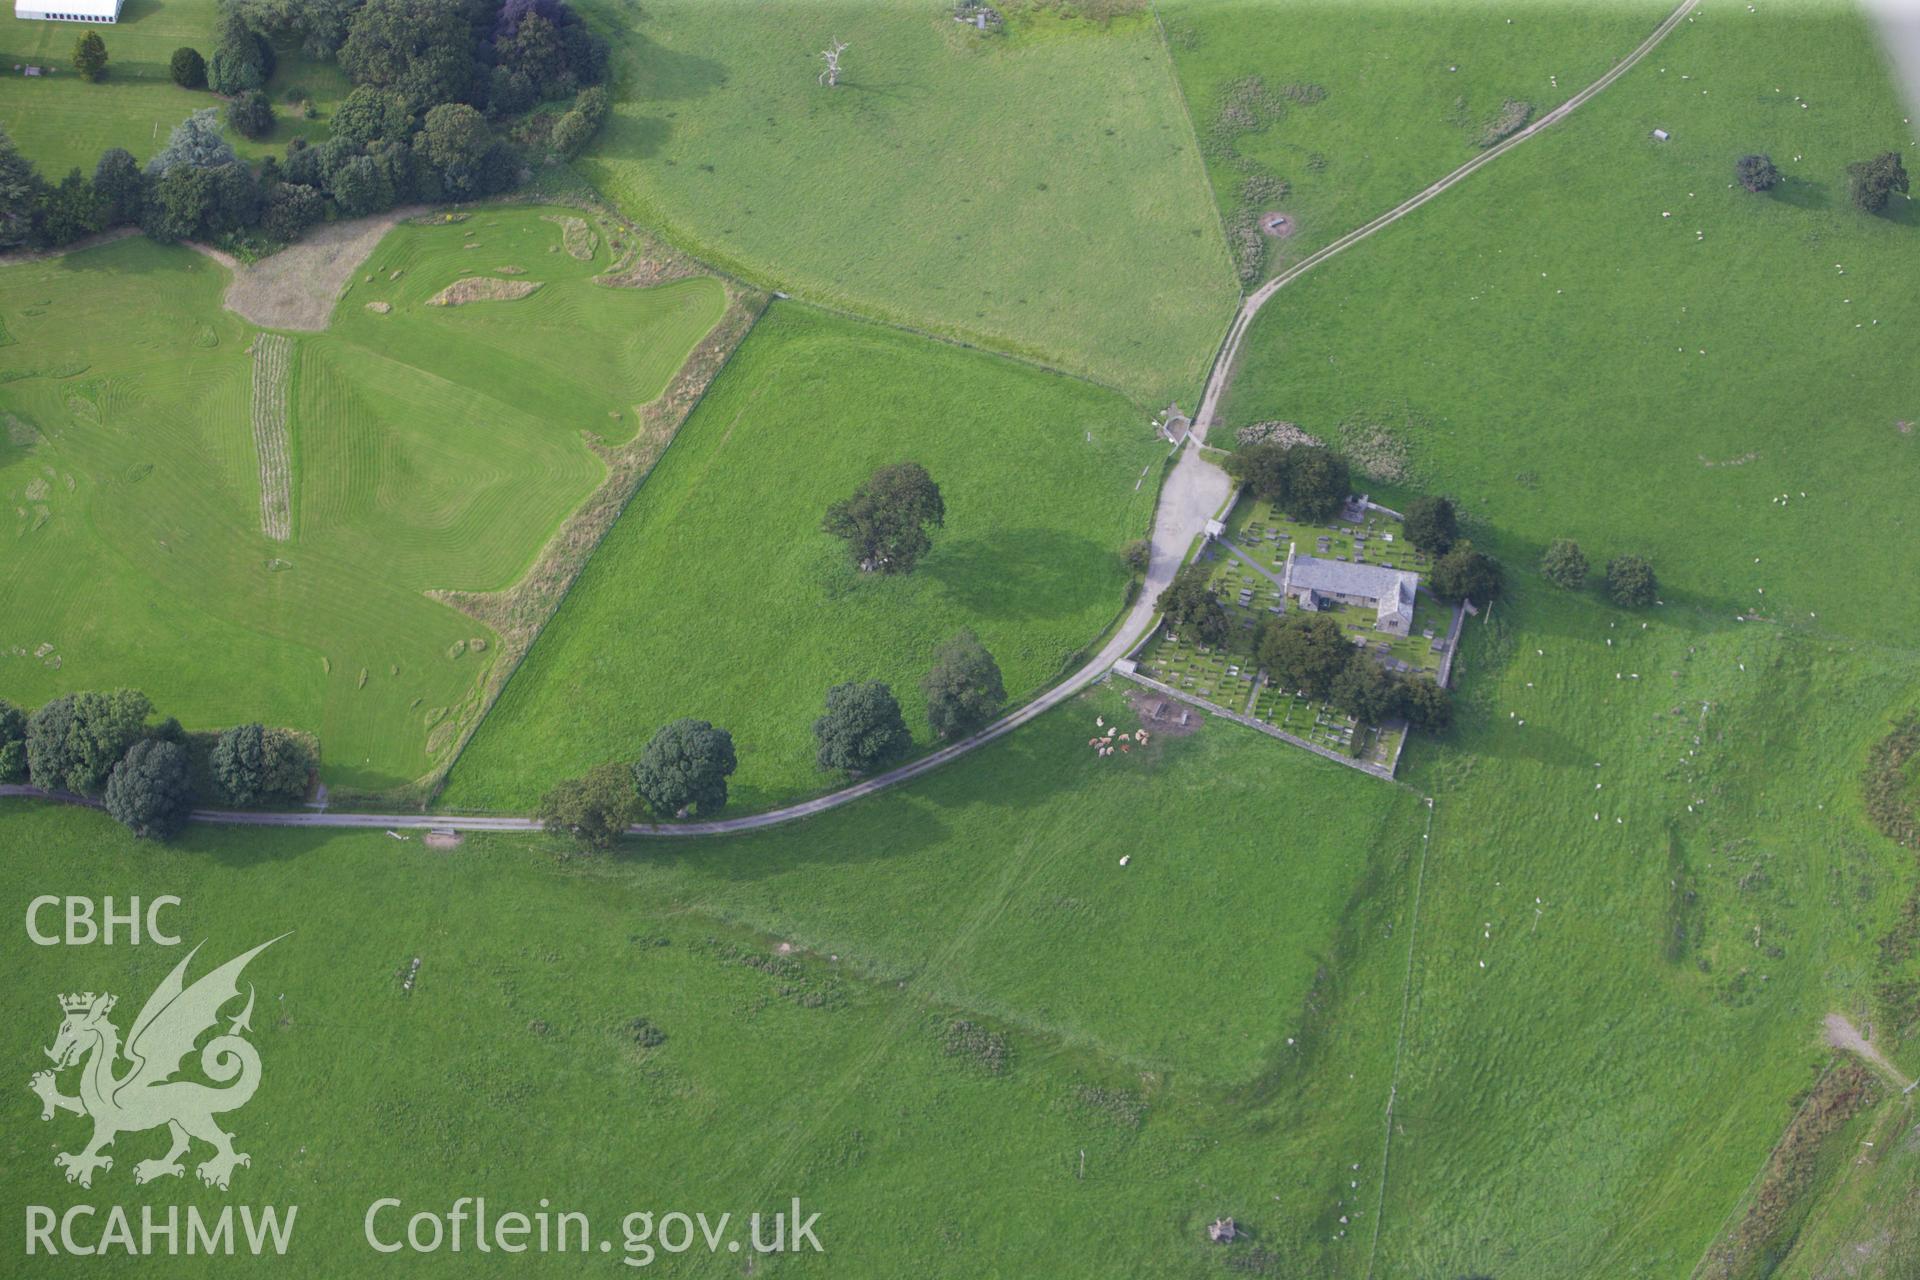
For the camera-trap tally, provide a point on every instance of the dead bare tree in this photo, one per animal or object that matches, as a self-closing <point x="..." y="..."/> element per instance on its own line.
<point x="831" y="76"/>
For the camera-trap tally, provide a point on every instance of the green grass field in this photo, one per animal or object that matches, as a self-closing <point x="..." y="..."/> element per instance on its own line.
<point x="1359" y="107"/>
<point x="60" y="121"/>
<point x="1037" y="192"/>
<point x="1683" y="804"/>
<point x="1545" y="1008"/>
<point x="716" y="595"/>
<point x="992" y="894"/>
<point x="1571" y="362"/>
<point x="1600" y="1098"/>
<point x="430" y="448"/>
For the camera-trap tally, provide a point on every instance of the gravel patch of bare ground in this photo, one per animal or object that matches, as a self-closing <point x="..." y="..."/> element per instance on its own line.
<point x="297" y="287"/>
<point x="482" y="289"/>
<point x="272" y="370"/>
<point x="519" y="613"/>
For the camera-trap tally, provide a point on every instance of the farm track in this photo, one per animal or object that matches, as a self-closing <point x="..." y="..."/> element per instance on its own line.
<point x="1190" y="496"/>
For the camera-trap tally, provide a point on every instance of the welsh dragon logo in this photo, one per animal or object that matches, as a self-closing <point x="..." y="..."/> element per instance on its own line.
<point x="145" y="1095"/>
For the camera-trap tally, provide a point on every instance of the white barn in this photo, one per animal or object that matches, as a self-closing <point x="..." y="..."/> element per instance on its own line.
<point x="102" y="12"/>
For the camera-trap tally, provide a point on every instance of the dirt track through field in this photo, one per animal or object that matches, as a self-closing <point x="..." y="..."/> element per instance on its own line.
<point x="1192" y="492"/>
<point x="1843" y="1035"/>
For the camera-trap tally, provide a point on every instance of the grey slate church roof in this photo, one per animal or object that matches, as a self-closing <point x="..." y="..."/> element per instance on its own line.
<point x="1392" y="588"/>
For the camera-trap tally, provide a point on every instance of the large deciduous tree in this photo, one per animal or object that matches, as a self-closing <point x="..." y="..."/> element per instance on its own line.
<point x="150" y="790"/>
<point x="74" y="741"/>
<point x="239" y="764"/>
<point x="1303" y="651"/>
<point x="1318" y="482"/>
<point x="1756" y="172"/>
<point x="862" y="729"/>
<point x="1366" y="690"/>
<point x="421" y="49"/>
<point x="964" y="690"/>
<point x="1262" y="469"/>
<point x="1429" y="704"/>
<point x="1432" y="525"/>
<point x="90" y="56"/>
<point x="1872" y="183"/>
<point x="455" y="141"/>
<point x="22" y="190"/>
<point x="371" y="115"/>
<point x="595" y="809"/>
<point x="13" y="743"/>
<point x="1189" y="602"/>
<point x="319" y="25"/>
<point x="885" y="522"/>
<point x="1466" y="574"/>
<point x="685" y="768"/>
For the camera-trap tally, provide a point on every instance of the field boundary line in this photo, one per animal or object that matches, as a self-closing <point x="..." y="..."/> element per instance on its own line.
<point x="1400" y="1043"/>
<point x="567" y="553"/>
<point x="1745" y="1197"/>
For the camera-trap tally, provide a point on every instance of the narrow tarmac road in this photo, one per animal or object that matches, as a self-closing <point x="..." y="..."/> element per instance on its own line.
<point x="1193" y="491"/>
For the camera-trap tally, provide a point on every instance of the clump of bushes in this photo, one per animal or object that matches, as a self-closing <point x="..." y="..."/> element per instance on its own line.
<point x="1264" y="190"/>
<point x="645" y="1034"/>
<point x="986" y="1049"/>
<point x="1892" y="795"/>
<point x="1630" y="582"/>
<point x="1128" y="1110"/>
<point x="1280" y="433"/>
<point x="188" y="68"/>
<point x="576" y="128"/>
<point x="250" y="114"/>
<point x="1509" y="120"/>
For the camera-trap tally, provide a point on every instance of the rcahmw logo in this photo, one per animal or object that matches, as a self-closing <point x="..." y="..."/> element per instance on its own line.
<point x="127" y="1087"/>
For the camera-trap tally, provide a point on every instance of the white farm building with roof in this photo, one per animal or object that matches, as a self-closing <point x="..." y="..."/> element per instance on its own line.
<point x="105" y="12"/>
